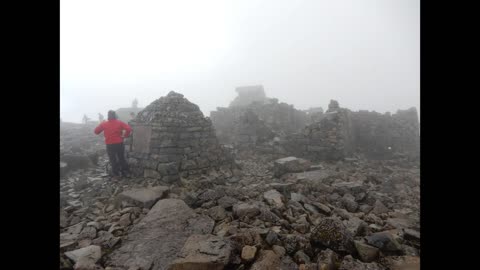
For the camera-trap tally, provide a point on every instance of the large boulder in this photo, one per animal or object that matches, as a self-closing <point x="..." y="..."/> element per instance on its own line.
<point x="290" y="165"/>
<point x="202" y="252"/>
<point x="157" y="239"/>
<point x="142" y="197"/>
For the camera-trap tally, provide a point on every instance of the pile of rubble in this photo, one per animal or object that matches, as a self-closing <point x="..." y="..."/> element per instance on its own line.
<point x="285" y="214"/>
<point x="266" y="212"/>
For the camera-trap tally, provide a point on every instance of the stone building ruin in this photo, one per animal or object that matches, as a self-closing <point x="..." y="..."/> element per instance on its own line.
<point x="281" y="118"/>
<point x="172" y="138"/>
<point x="341" y="133"/>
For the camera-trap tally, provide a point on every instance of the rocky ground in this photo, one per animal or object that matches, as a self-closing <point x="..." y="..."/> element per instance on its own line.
<point x="290" y="214"/>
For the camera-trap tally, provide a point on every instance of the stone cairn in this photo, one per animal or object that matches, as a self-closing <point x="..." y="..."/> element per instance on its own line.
<point x="172" y="138"/>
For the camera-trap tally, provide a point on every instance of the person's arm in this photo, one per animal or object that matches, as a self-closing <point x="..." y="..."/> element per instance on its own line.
<point x="127" y="129"/>
<point x="99" y="129"/>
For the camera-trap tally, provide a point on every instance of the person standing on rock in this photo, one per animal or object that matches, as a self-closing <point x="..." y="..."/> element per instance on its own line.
<point x="113" y="130"/>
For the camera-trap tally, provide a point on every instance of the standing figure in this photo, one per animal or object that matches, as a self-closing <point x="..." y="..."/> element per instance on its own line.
<point x="85" y="119"/>
<point x="113" y="130"/>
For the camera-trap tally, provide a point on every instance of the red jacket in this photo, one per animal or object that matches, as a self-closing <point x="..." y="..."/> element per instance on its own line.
<point x="113" y="131"/>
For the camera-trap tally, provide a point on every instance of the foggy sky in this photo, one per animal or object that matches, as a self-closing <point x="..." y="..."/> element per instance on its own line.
<point x="365" y="54"/>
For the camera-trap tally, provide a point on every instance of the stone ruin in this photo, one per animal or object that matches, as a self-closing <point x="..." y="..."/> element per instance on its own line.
<point x="281" y="118"/>
<point x="249" y="94"/>
<point x="314" y="134"/>
<point x="330" y="138"/>
<point x="342" y="133"/>
<point x="171" y="139"/>
<point x="250" y="130"/>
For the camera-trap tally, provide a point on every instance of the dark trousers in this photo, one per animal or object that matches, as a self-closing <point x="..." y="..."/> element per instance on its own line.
<point x="116" y="154"/>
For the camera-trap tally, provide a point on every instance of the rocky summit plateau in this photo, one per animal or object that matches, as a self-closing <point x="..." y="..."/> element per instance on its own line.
<point x="257" y="185"/>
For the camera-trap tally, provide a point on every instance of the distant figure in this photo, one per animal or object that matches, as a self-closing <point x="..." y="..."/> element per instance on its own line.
<point x="100" y="118"/>
<point x="113" y="132"/>
<point x="135" y="103"/>
<point x="85" y="119"/>
<point x="132" y="116"/>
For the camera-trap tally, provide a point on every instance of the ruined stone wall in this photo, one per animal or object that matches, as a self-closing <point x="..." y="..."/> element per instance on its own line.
<point x="329" y="139"/>
<point x="381" y="135"/>
<point x="281" y="118"/>
<point x="171" y="137"/>
<point x="249" y="131"/>
<point x="341" y="133"/>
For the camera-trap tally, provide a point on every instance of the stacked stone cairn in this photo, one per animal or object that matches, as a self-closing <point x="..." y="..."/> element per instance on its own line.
<point x="171" y="139"/>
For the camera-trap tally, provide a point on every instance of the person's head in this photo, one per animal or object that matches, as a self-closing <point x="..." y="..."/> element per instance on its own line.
<point x="111" y="115"/>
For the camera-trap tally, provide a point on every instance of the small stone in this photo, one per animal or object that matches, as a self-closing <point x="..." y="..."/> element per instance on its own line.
<point x="366" y="252"/>
<point x="279" y="250"/>
<point x="91" y="252"/>
<point x="327" y="260"/>
<point x="244" y="209"/>
<point x="271" y="238"/>
<point x="217" y="213"/>
<point x="301" y="258"/>
<point x="96" y="225"/>
<point x="379" y="208"/>
<point x="274" y="198"/>
<point x="248" y="253"/>
<point x="384" y="241"/>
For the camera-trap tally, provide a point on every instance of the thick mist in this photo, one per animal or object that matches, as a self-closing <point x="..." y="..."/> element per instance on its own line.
<point x="365" y="54"/>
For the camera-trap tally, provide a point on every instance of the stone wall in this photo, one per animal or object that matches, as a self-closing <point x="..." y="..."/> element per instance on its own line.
<point x="281" y="118"/>
<point x="172" y="138"/>
<point x="340" y="133"/>
<point x="330" y="138"/>
<point x="249" y="131"/>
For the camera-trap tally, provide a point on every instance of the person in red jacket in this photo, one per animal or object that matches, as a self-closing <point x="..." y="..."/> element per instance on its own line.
<point x="113" y="130"/>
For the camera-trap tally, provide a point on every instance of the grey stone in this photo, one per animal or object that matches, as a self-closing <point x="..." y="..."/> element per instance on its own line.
<point x="170" y="220"/>
<point x="366" y="252"/>
<point x="271" y="238"/>
<point x="385" y="241"/>
<point x="301" y="258"/>
<point x="245" y="209"/>
<point x="227" y="202"/>
<point x="356" y="226"/>
<point x="267" y="260"/>
<point x="274" y="198"/>
<point x="91" y="252"/>
<point x="379" y="208"/>
<point x="322" y="208"/>
<point x="143" y="197"/>
<point x="202" y="252"/>
<point x="217" y="213"/>
<point x="290" y="165"/>
<point x="349" y="263"/>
